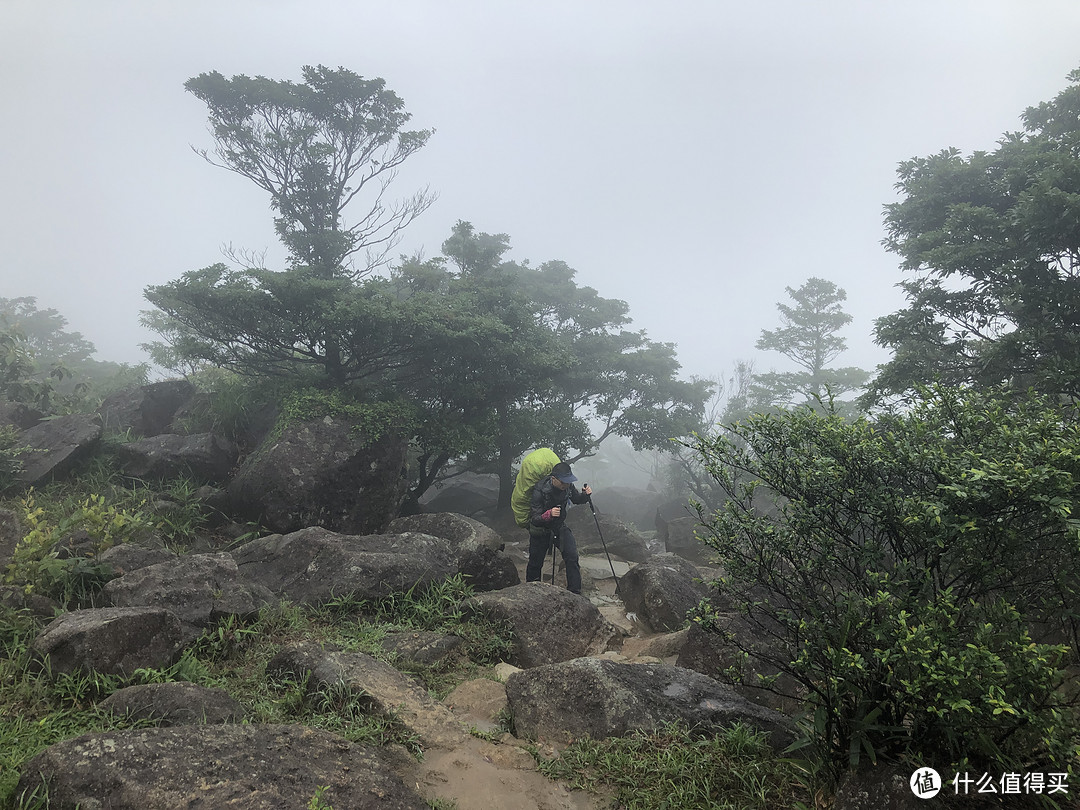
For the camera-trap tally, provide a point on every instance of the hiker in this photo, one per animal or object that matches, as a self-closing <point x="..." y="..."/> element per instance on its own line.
<point x="547" y="515"/>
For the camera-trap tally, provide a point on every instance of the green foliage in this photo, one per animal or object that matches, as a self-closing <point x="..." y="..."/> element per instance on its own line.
<point x="529" y="358"/>
<point x="314" y="148"/>
<point x="316" y="802"/>
<point x="21" y="380"/>
<point x="10" y="453"/>
<point x="992" y="245"/>
<point x="437" y="608"/>
<point x="44" y="365"/>
<point x="917" y="576"/>
<point x="369" y="421"/>
<point x="809" y="337"/>
<point x="37" y="565"/>
<point x="670" y="768"/>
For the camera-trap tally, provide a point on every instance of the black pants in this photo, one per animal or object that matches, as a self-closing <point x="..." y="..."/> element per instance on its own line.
<point x="540" y="545"/>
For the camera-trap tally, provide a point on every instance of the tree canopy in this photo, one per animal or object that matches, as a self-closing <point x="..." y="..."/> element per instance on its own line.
<point x="496" y="356"/>
<point x="915" y="574"/>
<point x="992" y="243"/>
<point x="315" y="147"/>
<point x="808" y="336"/>
<point x="549" y="362"/>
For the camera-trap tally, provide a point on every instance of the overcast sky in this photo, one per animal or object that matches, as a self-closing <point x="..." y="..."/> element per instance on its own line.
<point x="691" y="158"/>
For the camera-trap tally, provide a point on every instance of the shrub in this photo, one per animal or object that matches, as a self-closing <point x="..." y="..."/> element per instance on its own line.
<point x="917" y="575"/>
<point x="37" y="564"/>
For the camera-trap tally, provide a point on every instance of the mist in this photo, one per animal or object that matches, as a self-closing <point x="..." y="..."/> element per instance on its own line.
<point x="693" y="161"/>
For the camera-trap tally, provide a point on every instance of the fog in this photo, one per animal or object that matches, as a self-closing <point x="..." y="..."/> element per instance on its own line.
<point x="693" y="159"/>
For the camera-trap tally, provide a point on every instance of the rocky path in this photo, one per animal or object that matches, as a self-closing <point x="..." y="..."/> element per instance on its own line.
<point x="481" y="775"/>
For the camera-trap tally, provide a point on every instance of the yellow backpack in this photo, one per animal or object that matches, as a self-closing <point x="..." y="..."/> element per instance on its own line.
<point x="534" y="466"/>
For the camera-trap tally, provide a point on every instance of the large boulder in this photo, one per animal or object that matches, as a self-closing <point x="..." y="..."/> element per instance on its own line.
<point x="147" y="410"/>
<point x="201" y="589"/>
<point x="615" y="535"/>
<point x="127" y="557"/>
<point x="422" y="647"/>
<point x="888" y="786"/>
<point x="466" y="494"/>
<point x="19" y="415"/>
<point x="255" y="767"/>
<point x="464" y="533"/>
<point x="679" y="536"/>
<point x="598" y="698"/>
<point x="174" y="704"/>
<point x="202" y="456"/>
<point x="314" y="565"/>
<point x="719" y="651"/>
<point x="56" y="446"/>
<point x="115" y="641"/>
<point x="549" y="624"/>
<point x="662" y="591"/>
<point x="322" y="472"/>
<point x="478" y="549"/>
<point x="384" y="690"/>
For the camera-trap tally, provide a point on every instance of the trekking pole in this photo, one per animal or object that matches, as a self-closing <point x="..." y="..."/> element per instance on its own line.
<point x="597" y="521"/>
<point x="554" y="548"/>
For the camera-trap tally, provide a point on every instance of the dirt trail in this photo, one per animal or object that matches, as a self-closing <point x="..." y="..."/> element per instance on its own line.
<point x="481" y="775"/>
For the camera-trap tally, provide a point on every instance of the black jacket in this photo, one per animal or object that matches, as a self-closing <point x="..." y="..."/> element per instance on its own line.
<point x="546" y="496"/>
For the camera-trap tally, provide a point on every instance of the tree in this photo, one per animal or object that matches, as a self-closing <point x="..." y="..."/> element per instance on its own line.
<point x="913" y="575"/>
<point x="992" y="243"/>
<point x="808" y="336"/>
<point x="315" y="148"/>
<point x="547" y="363"/>
<point x="58" y="369"/>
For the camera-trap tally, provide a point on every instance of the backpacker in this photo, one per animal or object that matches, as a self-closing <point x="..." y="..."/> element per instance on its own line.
<point x="534" y="466"/>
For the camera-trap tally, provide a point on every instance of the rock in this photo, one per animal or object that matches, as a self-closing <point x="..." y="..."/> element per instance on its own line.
<point x="386" y="691"/>
<point x="488" y="569"/>
<point x="147" y="410"/>
<point x="479" y="702"/>
<point x="477" y="549"/>
<point x="464" y="533"/>
<point x="115" y="641"/>
<point x="202" y="456"/>
<point x="591" y="697"/>
<point x="255" y="767"/>
<point x="665" y="645"/>
<point x="175" y="704"/>
<point x="879" y="787"/>
<point x="549" y="624"/>
<point x="421" y="647"/>
<point x="201" y="589"/>
<point x="465" y="494"/>
<point x="321" y="473"/>
<point x="504" y="670"/>
<point x="679" y="537"/>
<point x="714" y="653"/>
<point x="38" y="606"/>
<point x="128" y="557"/>
<point x="620" y="539"/>
<point x="57" y="446"/>
<point x="314" y="565"/>
<point x="603" y="568"/>
<point x="662" y="591"/>
<point x="18" y="415"/>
